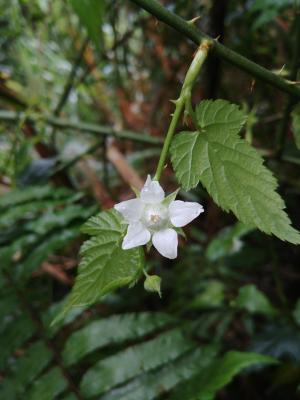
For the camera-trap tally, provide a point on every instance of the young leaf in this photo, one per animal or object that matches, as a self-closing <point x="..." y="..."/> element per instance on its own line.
<point x="230" y="169"/>
<point x="104" y="265"/>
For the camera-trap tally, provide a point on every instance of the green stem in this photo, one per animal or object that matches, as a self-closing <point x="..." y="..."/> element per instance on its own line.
<point x="63" y="123"/>
<point x="292" y="100"/>
<point x="170" y="133"/>
<point x="183" y="102"/>
<point x="243" y="63"/>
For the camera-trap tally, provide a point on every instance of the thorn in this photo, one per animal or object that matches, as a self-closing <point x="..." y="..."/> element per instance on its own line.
<point x="193" y="20"/>
<point x="281" y="70"/>
<point x="174" y="101"/>
<point x="217" y="38"/>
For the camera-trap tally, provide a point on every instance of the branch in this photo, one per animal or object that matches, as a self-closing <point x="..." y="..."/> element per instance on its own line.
<point x="281" y="136"/>
<point x="82" y="126"/>
<point x="187" y="29"/>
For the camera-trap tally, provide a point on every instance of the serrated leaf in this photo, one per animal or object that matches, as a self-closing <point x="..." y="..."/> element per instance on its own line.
<point x="150" y="385"/>
<point x="113" y="330"/>
<point x="230" y="169"/>
<point x="210" y="380"/>
<point x="129" y="363"/>
<point x="105" y="266"/>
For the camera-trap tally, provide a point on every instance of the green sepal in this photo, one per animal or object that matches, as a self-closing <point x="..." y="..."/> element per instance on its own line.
<point x="152" y="284"/>
<point x="171" y="197"/>
<point x="180" y="232"/>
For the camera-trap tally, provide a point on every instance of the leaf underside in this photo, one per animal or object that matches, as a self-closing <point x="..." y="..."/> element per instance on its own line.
<point x="230" y="169"/>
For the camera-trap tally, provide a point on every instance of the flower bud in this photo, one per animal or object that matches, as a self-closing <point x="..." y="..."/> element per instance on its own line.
<point x="152" y="284"/>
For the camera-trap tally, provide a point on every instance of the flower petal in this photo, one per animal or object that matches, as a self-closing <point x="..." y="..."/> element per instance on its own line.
<point x="183" y="212"/>
<point x="166" y="242"/>
<point x="137" y="235"/>
<point x="152" y="192"/>
<point x="131" y="210"/>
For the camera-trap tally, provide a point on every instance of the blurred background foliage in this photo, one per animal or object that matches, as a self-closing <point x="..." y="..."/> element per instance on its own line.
<point x="84" y="96"/>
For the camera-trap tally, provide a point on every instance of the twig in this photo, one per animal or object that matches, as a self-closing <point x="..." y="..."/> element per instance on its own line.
<point x="187" y="29"/>
<point x="83" y="126"/>
<point x="281" y="136"/>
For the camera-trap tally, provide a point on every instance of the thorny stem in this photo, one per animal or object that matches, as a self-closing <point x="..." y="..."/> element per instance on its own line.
<point x="292" y="100"/>
<point x="183" y="102"/>
<point x="243" y="63"/>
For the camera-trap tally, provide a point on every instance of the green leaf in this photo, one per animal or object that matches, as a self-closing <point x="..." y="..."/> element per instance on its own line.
<point x="34" y="193"/>
<point x="153" y="384"/>
<point x="56" y="308"/>
<point x="127" y="364"/>
<point x="52" y="243"/>
<point x="230" y="169"/>
<point x="104" y="266"/>
<point x="209" y="381"/>
<point x="28" y="367"/>
<point x="211" y="296"/>
<point x="48" y="386"/>
<point x="296" y="125"/>
<point x="279" y="340"/>
<point x="113" y="330"/>
<point x="254" y="301"/>
<point x="90" y="13"/>
<point x="14" y="335"/>
<point x="227" y="242"/>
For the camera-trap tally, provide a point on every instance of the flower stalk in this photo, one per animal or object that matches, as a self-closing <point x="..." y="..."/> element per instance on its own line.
<point x="184" y="102"/>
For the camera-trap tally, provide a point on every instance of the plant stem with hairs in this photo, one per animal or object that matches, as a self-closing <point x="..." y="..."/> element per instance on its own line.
<point x="243" y="63"/>
<point x="183" y="102"/>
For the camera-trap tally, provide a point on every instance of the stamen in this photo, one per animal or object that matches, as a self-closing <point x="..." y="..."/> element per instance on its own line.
<point x="155" y="218"/>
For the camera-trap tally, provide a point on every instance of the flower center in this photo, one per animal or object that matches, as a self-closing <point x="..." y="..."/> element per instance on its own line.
<point x="155" y="216"/>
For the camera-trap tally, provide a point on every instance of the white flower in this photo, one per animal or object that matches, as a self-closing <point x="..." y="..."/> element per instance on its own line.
<point x="152" y="216"/>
